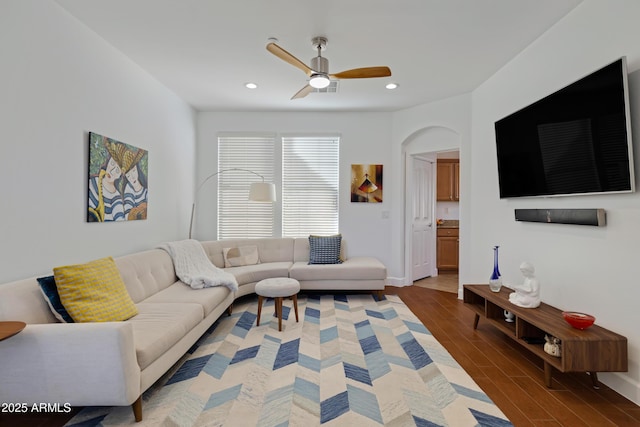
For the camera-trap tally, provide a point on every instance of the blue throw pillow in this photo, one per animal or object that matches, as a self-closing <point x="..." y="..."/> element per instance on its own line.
<point x="325" y="249"/>
<point x="50" y="291"/>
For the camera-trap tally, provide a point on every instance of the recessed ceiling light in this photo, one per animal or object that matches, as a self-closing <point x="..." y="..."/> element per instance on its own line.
<point x="391" y="85"/>
<point x="250" y="85"/>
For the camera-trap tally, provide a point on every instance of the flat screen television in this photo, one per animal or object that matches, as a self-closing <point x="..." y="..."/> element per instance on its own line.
<point x="574" y="141"/>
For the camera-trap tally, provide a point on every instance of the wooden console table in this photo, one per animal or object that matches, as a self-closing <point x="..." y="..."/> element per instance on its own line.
<point x="591" y="350"/>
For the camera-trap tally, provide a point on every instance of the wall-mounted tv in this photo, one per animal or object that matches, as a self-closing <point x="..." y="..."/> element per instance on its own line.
<point x="574" y="141"/>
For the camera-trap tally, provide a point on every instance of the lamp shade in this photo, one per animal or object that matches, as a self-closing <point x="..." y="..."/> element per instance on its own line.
<point x="258" y="192"/>
<point x="262" y="192"/>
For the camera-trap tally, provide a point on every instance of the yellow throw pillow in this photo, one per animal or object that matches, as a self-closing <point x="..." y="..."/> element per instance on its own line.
<point x="94" y="292"/>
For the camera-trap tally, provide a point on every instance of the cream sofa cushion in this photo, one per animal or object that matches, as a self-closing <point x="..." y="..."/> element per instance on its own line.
<point x="208" y="298"/>
<point x="355" y="268"/>
<point x="255" y="273"/>
<point x="146" y="273"/>
<point x="271" y="249"/>
<point x="159" y="326"/>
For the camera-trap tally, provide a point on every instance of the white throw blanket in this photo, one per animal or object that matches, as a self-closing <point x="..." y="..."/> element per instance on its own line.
<point x="194" y="268"/>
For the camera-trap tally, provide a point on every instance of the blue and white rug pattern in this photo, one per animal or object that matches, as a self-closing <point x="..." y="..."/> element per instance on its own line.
<point x="350" y="361"/>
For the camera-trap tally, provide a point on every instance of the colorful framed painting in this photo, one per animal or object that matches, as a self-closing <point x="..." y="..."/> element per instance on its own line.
<point x="118" y="186"/>
<point x="366" y="183"/>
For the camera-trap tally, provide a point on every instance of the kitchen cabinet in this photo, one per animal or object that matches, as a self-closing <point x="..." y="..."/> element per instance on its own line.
<point x="448" y="180"/>
<point x="447" y="248"/>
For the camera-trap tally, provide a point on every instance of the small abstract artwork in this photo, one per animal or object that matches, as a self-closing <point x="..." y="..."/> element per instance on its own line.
<point x="366" y="183"/>
<point x="118" y="187"/>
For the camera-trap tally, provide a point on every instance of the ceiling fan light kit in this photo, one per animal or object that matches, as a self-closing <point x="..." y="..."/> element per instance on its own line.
<point x="319" y="81"/>
<point x="318" y="73"/>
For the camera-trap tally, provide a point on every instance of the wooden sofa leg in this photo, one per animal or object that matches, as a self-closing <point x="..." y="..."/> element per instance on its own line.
<point x="137" y="409"/>
<point x="229" y="310"/>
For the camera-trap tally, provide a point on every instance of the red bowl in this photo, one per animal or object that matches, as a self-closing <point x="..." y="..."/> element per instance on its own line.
<point x="578" y="320"/>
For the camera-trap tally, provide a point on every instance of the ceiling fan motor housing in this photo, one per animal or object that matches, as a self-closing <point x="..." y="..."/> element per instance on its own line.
<point x="320" y="64"/>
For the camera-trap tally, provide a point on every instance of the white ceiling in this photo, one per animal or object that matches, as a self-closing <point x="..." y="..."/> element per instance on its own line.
<point x="206" y="50"/>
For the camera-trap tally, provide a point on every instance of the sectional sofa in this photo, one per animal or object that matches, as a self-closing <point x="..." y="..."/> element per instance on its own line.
<point x="113" y="363"/>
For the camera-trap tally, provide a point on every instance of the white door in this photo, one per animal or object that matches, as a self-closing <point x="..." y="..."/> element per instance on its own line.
<point x="423" y="235"/>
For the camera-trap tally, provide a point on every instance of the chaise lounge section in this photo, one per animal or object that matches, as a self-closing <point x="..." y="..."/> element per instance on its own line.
<point x="289" y="257"/>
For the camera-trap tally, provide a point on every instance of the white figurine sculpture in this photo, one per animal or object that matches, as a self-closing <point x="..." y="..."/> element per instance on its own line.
<point x="526" y="295"/>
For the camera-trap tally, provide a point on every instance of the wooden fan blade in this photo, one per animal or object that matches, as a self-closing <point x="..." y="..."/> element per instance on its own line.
<point x="303" y="92"/>
<point x="362" y="73"/>
<point x="287" y="57"/>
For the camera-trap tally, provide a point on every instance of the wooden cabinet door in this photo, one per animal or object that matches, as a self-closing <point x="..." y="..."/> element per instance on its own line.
<point x="448" y="186"/>
<point x="444" y="189"/>
<point x="456" y="181"/>
<point x="447" y="248"/>
<point x="447" y="253"/>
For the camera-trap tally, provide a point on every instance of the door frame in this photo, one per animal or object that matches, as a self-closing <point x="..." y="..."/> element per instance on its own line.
<point x="431" y="158"/>
<point x="427" y="140"/>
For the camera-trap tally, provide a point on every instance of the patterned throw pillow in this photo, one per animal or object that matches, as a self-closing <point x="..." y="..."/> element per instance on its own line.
<point x="94" y="292"/>
<point x="243" y="255"/>
<point x="50" y="292"/>
<point x="325" y="249"/>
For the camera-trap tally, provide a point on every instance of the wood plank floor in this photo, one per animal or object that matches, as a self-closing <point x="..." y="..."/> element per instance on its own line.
<point x="510" y="375"/>
<point x="447" y="282"/>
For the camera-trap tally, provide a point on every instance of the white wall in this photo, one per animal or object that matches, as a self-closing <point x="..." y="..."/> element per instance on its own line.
<point x="580" y="268"/>
<point x="59" y="81"/>
<point x="365" y="139"/>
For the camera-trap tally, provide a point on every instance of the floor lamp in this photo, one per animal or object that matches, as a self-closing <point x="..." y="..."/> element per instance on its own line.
<point x="258" y="192"/>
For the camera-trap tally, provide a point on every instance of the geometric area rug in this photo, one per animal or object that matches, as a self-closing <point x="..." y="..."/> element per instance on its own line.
<point x="350" y="361"/>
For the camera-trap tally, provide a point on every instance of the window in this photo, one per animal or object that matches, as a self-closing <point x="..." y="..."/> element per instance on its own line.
<point x="308" y="201"/>
<point x="237" y="216"/>
<point x="310" y="185"/>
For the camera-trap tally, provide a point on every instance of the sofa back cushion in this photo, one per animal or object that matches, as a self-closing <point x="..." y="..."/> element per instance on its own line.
<point x="270" y="249"/>
<point x="146" y="273"/>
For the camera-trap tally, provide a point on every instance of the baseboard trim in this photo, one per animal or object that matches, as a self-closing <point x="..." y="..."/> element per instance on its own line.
<point x="622" y="384"/>
<point x="398" y="282"/>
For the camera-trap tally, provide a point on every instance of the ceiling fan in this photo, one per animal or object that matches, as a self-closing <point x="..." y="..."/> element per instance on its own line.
<point x="318" y="73"/>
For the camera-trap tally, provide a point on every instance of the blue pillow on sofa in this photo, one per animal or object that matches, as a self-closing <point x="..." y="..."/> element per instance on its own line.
<point x="50" y="292"/>
<point x="325" y="249"/>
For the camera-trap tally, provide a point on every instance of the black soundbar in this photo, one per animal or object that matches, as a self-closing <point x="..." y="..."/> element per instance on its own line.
<point x="595" y="217"/>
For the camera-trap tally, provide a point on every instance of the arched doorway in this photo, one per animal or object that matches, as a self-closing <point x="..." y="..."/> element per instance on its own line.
<point x="422" y="146"/>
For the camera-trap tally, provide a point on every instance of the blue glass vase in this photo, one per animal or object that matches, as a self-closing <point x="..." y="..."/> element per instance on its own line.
<point x="495" y="281"/>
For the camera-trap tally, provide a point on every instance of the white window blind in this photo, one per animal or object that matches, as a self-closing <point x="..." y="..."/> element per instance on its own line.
<point x="237" y="216"/>
<point x="310" y="185"/>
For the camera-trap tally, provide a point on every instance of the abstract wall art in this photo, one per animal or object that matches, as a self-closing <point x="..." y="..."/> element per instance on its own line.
<point x="118" y="186"/>
<point x="366" y="183"/>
